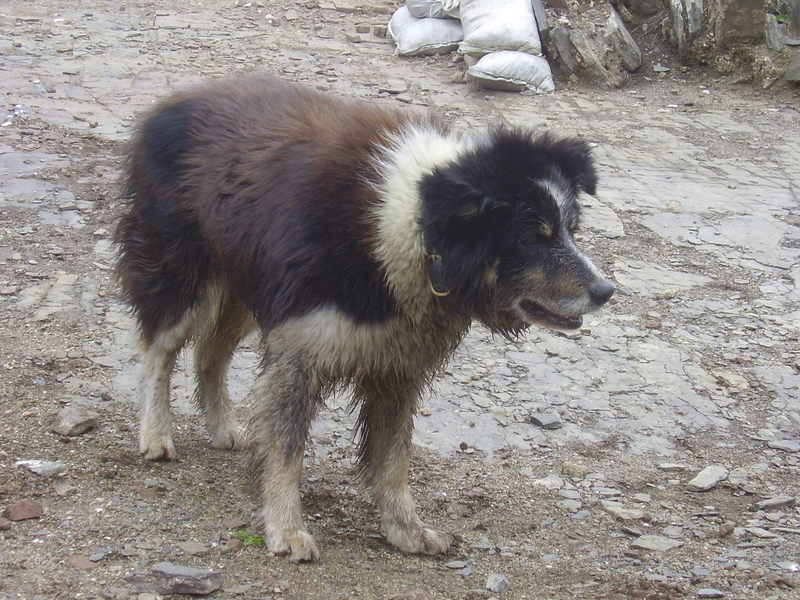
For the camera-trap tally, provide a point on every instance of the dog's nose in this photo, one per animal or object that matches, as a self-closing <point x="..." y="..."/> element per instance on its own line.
<point x="601" y="292"/>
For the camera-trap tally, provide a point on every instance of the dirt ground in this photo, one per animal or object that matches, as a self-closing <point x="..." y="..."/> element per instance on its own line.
<point x="695" y="363"/>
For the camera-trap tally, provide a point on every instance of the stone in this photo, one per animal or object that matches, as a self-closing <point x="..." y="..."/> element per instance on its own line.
<point x="23" y="510"/>
<point x="43" y="468"/>
<point x="618" y="511"/>
<point x="708" y="478"/>
<point x="233" y="545"/>
<point x="773" y="33"/>
<point x="169" y="578"/>
<point x="5" y="524"/>
<point x="393" y="86"/>
<point x="574" y="470"/>
<point x="785" y="445"/>
<point x="793" y="70"/>
<point x="74" y="420"/>
<point x="412" y="595"/>
<point x="456" y="564"/>
<point x="81" y="562"/>
<point x="193" y="548"/>
<point x="731" y="379"/>
<point x="739" y="20"/>
<point x="710" y="593"/>
<point x="560" y="39"/>
<point x="546" y="420"/>
<point x="497" y="583"/>
<point x="620" y="40"/>
<point x="687" y="23"/>
<point x="776" y="502"/>
<point x="655" y="543"/>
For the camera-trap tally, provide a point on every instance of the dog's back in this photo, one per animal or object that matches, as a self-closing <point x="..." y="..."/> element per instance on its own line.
<point x="261" y="184"/>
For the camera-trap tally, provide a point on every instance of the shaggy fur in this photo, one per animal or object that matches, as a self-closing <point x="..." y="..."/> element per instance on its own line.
<point x="254" y="203"/>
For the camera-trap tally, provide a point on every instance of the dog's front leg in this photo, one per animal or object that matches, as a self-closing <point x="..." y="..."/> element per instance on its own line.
<point x="286" y="397"/>
<point x="386" y="421"/>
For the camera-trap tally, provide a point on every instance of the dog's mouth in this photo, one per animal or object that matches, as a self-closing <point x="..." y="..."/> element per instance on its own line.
<point x="536" y="313"/>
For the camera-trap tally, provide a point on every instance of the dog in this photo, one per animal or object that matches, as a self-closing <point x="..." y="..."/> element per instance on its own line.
<point x="361" y="243"/>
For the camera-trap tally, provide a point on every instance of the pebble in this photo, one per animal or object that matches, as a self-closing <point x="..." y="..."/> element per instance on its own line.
<point x="412" y="595"/>
<point x="81" y="562"/>
<point x="707" y="478"/>
<point x="574" y="470"/>
<point x="546" y="420"/>
<point x="497" y="583"/>
<point x="655" y="543"/>
<point x="42" y="467"/>
<point x="74" y="420"/>
<point x="169" y="578"/>
<point x="776" y="502"/>
<point x="785" y="445"/>
<point x="671" y="467"/>
<point x="710" y="593"/>
<point x="23" y="510"/>
<point x="232" y="545"/>
<point x="5" y="524"/>
<point x="456" y="564"/>
<point x="193" y="548"/>
<point x="618" y="511"/>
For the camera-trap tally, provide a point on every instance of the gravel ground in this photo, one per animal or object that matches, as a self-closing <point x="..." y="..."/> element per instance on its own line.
<point x="568" y="467"/>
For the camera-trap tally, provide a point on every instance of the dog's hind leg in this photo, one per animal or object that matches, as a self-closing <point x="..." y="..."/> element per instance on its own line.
<point x="286" y="396"/>
<point x="158" y="360"/>
<point x="386" y="423"/>
<point x="213" y="354"/>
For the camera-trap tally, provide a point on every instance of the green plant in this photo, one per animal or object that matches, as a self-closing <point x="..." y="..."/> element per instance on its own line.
<point x="249" y="539"/>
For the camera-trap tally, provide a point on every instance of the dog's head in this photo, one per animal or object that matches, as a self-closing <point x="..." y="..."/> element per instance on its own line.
<point x="502" y="219"/>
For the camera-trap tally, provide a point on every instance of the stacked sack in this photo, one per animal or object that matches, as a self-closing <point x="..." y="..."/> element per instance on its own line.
<point x="498" y="38"/>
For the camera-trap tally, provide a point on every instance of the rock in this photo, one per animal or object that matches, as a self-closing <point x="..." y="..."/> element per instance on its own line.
<point x="618" y="511"/>
<point x="412" y="595"/>
<point x="738" y="20"/>
<point x="687" y="23"/>
<point x="233" y="545"/>
<point x="64" y="489"/>
<point x="707" y="478"/>
<point x="776" y="502"/>
<point x="81" y="562"/>
<point x="574" y="470"/>
<point x="793" y="70"/>
<point x="23" y="510"/>
<point x="655" y="543"/>
<point x="169" y="578"/>
<point x="497" y="583"/>
<point x="456" y="564"/>
<point x="731" y="379"/>
<point x="549" y="482"/>
<point x="193" y="548"/>
<point x="546" y="420"/>
<point x="393" y="86"/>
<point x="773" y="33"/>
<point x="710" y="593"/>
<point x="74" y="420"/>
<point x="42" y="467"/>
<point x="5" y="524"/>
<point x="786" y="445"/>
<point x="623" y="44"/>
<point x="671" y="467"/>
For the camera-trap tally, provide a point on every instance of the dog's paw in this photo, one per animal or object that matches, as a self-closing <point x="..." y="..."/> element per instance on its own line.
<point x="157" y="447"/>
<point x="419" y="540"/>
<point x="297" y="543"/>
<point x="229" y="437"/>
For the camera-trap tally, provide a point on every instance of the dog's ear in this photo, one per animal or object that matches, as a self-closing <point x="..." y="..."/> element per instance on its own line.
<point x="575" y="158"/>
<point x="460" y="223"/>
<point x="450" y="199"/>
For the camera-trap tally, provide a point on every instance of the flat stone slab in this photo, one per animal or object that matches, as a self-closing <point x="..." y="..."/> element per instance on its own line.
<point x="655" y="543"/>
<point x="707" y="478"/>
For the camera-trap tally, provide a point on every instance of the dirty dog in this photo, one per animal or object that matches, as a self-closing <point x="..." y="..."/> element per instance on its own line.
<point x="361" y="243"/>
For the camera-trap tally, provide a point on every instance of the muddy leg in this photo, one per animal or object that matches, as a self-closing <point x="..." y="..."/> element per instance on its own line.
<point x="286" y="397"/>
<point x="213" y="355"/>
<point x="155" y="433"/>
<point x="386" y="422"/>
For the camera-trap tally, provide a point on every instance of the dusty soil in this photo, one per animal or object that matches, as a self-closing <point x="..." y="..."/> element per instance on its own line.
<point x="694" y="364"/>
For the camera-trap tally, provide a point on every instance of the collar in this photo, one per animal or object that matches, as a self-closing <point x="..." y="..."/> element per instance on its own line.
<point x="435" y="268"/>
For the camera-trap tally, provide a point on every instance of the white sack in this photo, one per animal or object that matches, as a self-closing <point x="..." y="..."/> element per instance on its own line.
<point x="491" y="25"/>
<point x="513" y="71"/>
<point x="416" y="37"/>
<point x="426" y="9"/>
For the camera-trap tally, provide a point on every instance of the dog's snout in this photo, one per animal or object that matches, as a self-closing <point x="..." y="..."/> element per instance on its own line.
<point x="601" y="292"/>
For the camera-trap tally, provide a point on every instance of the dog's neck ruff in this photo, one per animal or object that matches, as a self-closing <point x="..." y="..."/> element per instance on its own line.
<point x="407" y="157"/>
